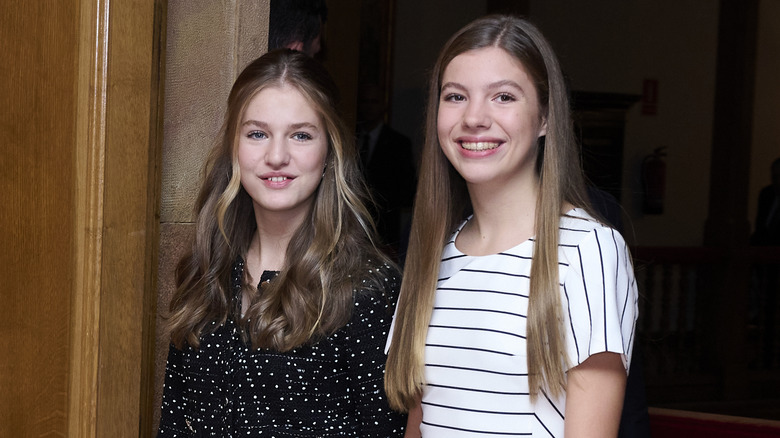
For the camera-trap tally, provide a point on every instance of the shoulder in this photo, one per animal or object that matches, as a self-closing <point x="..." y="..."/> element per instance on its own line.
<point x="374" y="299"/>
<point x="378" y="285"/>
<point x="577" y="226"/>
<point x="583" y="237"/>
<point x="378" y="278"/>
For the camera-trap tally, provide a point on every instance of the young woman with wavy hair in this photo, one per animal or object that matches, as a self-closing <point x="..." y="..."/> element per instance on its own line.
<point x="517" y="307"/>
<point x="283" y="304"/>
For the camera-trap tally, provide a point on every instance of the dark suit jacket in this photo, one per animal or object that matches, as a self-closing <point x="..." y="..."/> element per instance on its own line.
<point x="391" y="176"/>
<point x="766" y="234"/>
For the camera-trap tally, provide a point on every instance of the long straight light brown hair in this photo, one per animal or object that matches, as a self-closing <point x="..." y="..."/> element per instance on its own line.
<point x="442" y="200"/>
<point x="327" y="255"/>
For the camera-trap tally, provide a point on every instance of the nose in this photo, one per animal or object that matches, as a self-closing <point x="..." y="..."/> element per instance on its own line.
<point x="277" y="154"/>
<point x="476" y="115"/>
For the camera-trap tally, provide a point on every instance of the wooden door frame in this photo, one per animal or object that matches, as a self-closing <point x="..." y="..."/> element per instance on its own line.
<point x="118" y="156"/>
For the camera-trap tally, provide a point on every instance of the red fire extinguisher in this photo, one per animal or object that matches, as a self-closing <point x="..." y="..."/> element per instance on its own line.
<point x="654" y="181"/>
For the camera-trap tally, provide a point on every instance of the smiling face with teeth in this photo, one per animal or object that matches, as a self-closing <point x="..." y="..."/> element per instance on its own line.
<point x="489" y="120"/>
<point x="282" y="148"/>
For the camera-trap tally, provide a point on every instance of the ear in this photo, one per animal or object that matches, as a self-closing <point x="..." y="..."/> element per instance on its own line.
<point x="543" y="128"/>
<point x="295" y="45"/>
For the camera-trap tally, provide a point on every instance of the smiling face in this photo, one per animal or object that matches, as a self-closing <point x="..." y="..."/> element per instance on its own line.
<point x="488" y="119"/>
<point x="281" y="152"/>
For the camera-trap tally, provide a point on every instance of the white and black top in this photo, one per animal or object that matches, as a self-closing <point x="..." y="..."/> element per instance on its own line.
<point x="475" y="353"/>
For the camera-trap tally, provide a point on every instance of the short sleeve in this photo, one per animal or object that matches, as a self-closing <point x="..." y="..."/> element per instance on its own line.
<point x="599" y="297"/>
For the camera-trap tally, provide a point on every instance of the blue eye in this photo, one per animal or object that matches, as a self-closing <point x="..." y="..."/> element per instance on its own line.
<point x="256" y="135"/>
<point x="302" y="136"/>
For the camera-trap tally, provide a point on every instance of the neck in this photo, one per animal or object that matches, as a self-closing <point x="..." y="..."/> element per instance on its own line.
<point x="504" y="216"/>
<point x="269" y="244"/>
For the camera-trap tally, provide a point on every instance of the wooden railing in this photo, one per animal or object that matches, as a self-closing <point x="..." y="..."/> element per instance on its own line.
<point x="707" y="325"/>
<point x="667" y="423"/>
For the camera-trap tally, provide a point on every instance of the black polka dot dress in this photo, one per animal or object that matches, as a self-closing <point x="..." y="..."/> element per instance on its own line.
<point x="333" y="388"/>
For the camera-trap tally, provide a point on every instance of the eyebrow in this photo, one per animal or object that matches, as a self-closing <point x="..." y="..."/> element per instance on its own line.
<point x="292" y="126"/>
<point x="491" y="86"/>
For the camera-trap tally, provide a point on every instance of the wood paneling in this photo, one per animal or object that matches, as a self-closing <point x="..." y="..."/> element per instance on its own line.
<point x="37" y="131"/>
<point x="129" y="237"/>
<point x="79" y="124"/>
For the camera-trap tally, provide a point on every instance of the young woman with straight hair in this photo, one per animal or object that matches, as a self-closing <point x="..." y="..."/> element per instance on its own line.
<point x="517" y="307"/>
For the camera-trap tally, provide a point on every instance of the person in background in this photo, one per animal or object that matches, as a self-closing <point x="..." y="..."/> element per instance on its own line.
<point x="517" y="319"/>
<point x="767" y="226"/>
<point x="297" y="25"/>
<point x="388" y="166"/>
<point x="283" y="305"/>
<point x="764" y="290"/>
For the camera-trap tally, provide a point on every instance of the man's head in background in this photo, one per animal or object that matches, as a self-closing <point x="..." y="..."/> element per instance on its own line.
<point x="297" y="25"/>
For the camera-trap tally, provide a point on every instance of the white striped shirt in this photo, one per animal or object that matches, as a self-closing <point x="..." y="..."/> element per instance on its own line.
<point x="475" y="354"/>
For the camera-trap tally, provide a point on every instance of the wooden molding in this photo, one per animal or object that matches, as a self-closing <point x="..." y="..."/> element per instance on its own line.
<point x="148" y="359"/>
<point x="117" y="185"/>
<point x="90" y="169"/>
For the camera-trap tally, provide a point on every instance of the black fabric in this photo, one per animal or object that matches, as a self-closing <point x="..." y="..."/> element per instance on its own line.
<point x="767" y="227"/>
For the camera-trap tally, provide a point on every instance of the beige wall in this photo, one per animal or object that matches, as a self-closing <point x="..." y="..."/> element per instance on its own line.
<point x="208" y="44"/>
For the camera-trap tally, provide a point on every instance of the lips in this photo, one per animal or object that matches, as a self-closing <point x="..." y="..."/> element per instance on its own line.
<point x="276" y="180"/>
<point x="275" y="176"/>
<point x="479" y="145"/>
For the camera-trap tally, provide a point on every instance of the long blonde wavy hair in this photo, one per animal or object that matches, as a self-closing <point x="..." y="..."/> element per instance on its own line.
<point x="442" y="201"/>
<point x="312" y="296"/>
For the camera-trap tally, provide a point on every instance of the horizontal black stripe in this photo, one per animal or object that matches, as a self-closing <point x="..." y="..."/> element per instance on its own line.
<point x="461" y="289"/>
<point x="478" y="411"/>
<point x="454" y="257"/>
<point x="476" y="329"/>
<point x="481" y="271"/>
<point x="477" y="370"/>
<point x="506" y="254"/>
<point x="483" y="391"/>
<point x="574" y="229"/>
<point x="517" y="256"/>
<point x="475" y="309"/>
<point x="452" y="347"/>
<point x="476" y="431"/>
